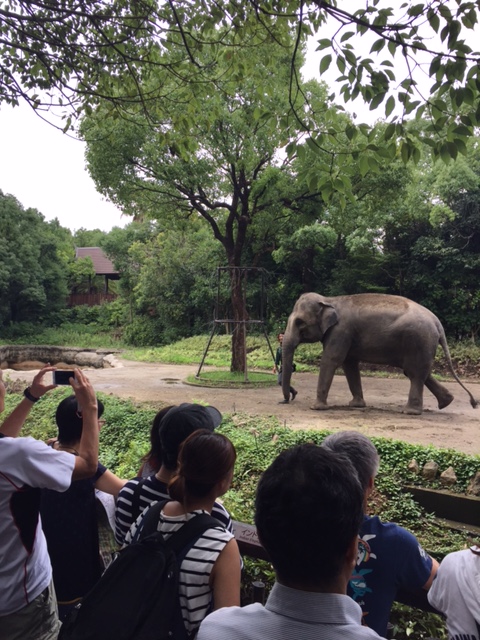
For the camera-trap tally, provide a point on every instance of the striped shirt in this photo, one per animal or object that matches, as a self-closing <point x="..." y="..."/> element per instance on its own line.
<point x="194" y="581"/>
<point x="152" y="490"/>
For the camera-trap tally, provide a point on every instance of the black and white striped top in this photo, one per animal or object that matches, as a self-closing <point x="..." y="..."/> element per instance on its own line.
<point x="194" y="588"/>
<point x="152" y="490"/>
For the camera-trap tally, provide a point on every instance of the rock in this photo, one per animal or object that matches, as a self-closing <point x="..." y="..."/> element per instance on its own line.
<point x="414" y="467"/>
<point x="27" y="365"/>
<point x="89" y="359"/>
<point x="28" y="357"/>
<point x="430" y="470"/>
<point x="448" y="477"/>
<point x="473" y="488"/>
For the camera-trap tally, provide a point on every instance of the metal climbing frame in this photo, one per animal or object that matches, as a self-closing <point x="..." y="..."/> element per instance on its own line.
<point x="242" y="273"/>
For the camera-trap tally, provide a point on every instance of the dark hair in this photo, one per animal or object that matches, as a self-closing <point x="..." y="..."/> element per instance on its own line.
<point x="69" y="420"/>
<point x="359" y="449"/>
<point x="205" y="459"/>
<point x="154" y="456"/>
<point x="308" y="510"/>
<point x="179" y="423"/>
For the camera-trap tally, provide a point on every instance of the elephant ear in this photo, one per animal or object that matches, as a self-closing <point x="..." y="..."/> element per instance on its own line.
<point x="327" y="317"/>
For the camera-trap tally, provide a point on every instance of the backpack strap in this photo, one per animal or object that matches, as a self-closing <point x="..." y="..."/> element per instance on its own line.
<point x="192" y="529"/>
<point x="148" y="524"/>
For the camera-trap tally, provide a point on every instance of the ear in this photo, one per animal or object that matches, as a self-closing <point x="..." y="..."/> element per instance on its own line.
<point x="351" y="555"/>
<point x="327" y="317"/>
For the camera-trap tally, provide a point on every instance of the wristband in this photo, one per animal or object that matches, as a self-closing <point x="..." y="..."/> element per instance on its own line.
<point x="29" y="396"/>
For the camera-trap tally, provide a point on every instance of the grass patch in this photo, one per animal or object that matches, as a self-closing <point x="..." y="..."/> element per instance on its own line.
<point x="233" y="380"/>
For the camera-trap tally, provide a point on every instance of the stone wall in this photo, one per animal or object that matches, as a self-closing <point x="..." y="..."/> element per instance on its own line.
<point x="27" y="357"/>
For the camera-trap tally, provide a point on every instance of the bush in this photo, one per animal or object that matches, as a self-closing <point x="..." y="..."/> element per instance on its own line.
<point x="143" y="332"/>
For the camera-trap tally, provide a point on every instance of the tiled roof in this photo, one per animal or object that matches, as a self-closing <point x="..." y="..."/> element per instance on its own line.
<point x="102" y="265"/>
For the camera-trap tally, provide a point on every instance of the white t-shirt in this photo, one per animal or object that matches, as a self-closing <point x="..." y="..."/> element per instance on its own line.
<point x="26" y="466"/>
<point x="455" y="592"/>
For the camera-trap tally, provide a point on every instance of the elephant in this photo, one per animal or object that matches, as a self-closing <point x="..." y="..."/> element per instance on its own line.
<point x="374" y="328"/>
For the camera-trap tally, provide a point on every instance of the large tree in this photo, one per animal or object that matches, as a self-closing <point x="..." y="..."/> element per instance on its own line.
<point x="220" y="158"/>
<point x="34" y="257"/>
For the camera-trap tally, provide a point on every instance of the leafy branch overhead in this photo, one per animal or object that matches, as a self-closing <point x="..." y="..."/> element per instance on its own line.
<point x="75" y="53"/>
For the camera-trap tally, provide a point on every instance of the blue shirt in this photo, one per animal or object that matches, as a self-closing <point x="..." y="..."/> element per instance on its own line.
<point x="389" y="558"/>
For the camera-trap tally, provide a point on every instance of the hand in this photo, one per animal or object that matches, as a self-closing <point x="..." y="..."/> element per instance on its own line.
<point x="38" y="388"/>
<point x="84" y="391"/>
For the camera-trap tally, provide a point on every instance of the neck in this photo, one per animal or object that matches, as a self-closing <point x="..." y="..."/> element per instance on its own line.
<point x="175" y="508"/>
<point x="164" y="474"/>
<point x="64" y="447"/>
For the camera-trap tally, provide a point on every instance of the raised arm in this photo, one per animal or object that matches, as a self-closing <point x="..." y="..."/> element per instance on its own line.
<point x="110" y="483"/>
<point x="13" y="423"/>
<point x="87" y="460"/>
<point x="433" y="573"/>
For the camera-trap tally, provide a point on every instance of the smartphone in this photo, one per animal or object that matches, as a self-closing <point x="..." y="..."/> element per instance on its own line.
<point x="62" y="376"/>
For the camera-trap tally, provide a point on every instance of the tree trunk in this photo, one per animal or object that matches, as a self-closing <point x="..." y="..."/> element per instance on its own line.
<point x="239" y="347"/>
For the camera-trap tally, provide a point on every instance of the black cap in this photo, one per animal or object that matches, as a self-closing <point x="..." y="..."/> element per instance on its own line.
<point x="179" y="423"/>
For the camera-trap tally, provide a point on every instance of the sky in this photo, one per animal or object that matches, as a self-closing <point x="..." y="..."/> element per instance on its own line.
<point x="45" y="169"/>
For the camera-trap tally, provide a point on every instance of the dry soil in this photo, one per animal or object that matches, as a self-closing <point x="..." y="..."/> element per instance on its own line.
<point x="457" y="426"/>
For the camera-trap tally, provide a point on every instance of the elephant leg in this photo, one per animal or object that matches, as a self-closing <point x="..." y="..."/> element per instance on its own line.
<point x="441" y="393"/>
<point x="352" y="373"/>
<point x="414" y="406"/>
<point x="325" y="379"/>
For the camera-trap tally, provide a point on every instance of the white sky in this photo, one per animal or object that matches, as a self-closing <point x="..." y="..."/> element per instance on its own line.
<point x="45" y="169"/>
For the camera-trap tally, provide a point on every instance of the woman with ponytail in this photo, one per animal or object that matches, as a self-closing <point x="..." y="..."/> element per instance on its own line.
<point x="210" y="571"/>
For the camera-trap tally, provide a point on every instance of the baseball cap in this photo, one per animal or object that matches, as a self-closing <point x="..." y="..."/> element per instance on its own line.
<point x="179" y="423"/>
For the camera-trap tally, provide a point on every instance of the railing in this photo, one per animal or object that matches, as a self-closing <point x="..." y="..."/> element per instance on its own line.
<point x="249" y="545"/>
<point x="90" y="299"/>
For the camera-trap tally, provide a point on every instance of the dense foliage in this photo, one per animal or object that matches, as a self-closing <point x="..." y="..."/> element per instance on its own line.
<point x="77" y="53"/>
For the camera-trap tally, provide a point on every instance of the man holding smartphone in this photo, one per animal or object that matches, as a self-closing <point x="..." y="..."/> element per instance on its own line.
<point x="28" y="609"/>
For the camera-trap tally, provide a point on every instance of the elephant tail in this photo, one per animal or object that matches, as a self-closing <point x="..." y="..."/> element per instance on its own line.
<point x="446" y="350"/>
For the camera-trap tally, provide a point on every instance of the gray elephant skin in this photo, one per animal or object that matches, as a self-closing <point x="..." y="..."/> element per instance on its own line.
<point x="373" y="328"/>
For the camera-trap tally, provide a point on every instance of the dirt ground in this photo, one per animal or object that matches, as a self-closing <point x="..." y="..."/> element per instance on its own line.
<point x="457" y="426"/>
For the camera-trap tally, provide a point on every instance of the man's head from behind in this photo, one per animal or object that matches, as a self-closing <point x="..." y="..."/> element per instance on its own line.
<point x="69" y="420"/>
<point x="179" y="423"/>
<point x="308" y="512"/>
<point x="361" y="452"/>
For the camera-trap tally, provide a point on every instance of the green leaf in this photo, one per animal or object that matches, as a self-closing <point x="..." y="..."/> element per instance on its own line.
<point x="363" y="165"/>
<point x="325" y="63"/>
<point x="324" y="43"/>
<point x="378" y="45"/>
<point x="389" y="131"/>
<point x="389" y="106"/>
<point x="378" y="99"/>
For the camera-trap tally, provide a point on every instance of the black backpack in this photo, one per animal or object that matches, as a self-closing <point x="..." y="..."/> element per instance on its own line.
<point x="137" y="596"/>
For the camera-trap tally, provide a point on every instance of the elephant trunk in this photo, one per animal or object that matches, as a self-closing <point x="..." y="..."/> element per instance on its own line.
<point x="288" y="349"/>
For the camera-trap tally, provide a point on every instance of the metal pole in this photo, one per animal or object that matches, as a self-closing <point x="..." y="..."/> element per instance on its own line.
<point x="206" y="350"/>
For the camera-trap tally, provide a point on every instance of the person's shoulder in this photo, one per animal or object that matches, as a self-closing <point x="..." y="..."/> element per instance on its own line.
<point x="373" y="525"/>
<point x="129" y="486"/>
<point x="230" y="622"/>
<point x="221" y="514"/>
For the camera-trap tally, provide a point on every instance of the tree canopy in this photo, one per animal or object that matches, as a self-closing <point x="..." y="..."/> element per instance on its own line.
<point x="80" y="52"/>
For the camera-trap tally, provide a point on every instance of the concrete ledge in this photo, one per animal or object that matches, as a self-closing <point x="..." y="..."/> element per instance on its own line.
<point x="27" y="357"/>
